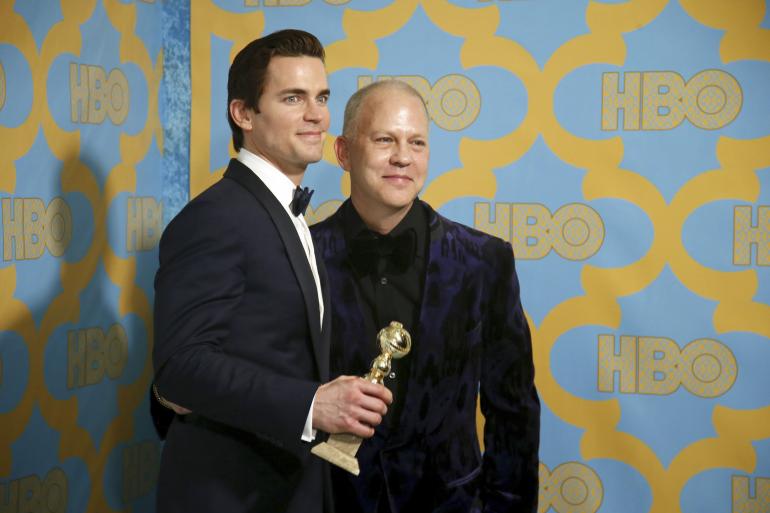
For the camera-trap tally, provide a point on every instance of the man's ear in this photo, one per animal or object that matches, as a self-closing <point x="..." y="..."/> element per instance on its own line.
<point x="241" y="114"/>
<point x="341" y="151"/>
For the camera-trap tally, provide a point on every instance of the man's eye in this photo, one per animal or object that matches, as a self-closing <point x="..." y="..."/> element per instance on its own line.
<point x="291" y="99"/>
<point x="323" y="100"/>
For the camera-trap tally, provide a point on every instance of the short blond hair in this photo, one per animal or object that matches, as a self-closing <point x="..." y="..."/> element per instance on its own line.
<point x="353" y="107"/>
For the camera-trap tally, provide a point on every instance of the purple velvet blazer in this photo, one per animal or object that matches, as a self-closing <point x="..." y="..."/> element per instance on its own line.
<point x="472" y="336"/>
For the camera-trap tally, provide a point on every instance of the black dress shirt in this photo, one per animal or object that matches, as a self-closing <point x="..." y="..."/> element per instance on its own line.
<point x="390" y="277"/>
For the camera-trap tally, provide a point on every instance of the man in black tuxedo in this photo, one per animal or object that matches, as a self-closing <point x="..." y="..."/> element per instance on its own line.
<point x="390" y="256"/>
<point x="242" y="308"/>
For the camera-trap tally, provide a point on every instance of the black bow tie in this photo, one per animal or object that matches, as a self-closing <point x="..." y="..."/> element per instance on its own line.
<point x="398" y="251"/>
<point x="301" y="200"/>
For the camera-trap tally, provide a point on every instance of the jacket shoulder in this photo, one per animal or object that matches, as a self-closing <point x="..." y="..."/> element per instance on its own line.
<point x="472" y="239"/>
<point x="329" y="228"/>
<point x="223" y="199"/>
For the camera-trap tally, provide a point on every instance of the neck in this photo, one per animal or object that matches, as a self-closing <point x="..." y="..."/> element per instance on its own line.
<point x="293" y="173"/>
<point x="295" y="177"/>
<point x="381" y="220"/>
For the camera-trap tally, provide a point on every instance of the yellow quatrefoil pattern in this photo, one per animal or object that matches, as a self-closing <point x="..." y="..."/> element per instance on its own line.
<point x="622" y="147"/>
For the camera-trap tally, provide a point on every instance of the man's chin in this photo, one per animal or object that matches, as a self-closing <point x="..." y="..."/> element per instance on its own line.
<point x="314" y="156"/>
<point x="399" y="196"/>
<point x="397" y="205"/>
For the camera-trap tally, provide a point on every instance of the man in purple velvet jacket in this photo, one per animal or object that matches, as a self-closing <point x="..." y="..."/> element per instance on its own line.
<point x="390" y="256"/>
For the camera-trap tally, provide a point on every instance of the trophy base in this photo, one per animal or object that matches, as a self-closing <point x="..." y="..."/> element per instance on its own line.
<point x="340" y="450"/>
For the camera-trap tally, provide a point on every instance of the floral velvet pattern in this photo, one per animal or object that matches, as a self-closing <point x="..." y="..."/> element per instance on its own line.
<point x="472" y="338"/>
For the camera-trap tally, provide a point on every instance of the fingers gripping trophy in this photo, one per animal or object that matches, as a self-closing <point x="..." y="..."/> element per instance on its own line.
<point x="340" y="449"/>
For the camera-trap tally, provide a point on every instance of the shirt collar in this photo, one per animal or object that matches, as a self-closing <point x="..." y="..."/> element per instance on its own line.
<point x="416" y="218"/>
<point x="278" y="183"/>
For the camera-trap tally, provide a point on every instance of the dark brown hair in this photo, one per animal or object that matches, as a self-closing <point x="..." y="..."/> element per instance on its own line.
<point x="246" y="78"/>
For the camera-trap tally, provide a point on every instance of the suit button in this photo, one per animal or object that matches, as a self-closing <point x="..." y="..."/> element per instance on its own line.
<point x="383" y="281"/>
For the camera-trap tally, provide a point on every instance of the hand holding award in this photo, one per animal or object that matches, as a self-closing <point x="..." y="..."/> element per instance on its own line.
<point x="340" y="449"/>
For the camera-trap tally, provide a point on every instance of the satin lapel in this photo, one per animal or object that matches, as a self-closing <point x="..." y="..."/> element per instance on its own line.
<point x="324" y="348"/>
<point x="297" y="258"/>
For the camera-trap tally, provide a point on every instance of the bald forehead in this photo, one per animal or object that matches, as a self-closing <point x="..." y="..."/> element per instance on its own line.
<point x="389" y="89"/>
<point x="370" y="97"/>
<point x="386" y="99"/>
<point x="391" y="93"/>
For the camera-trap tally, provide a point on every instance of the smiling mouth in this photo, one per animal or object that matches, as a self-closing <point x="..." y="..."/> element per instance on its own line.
<point x="397" y="178"/>
<point x="311" y="136"/>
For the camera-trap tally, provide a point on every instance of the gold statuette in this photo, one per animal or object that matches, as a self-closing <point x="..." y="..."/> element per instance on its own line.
<point x="340" y="449"/>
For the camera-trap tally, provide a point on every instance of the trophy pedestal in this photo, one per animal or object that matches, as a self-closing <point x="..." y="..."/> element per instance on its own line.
<point x="340" y="450"/>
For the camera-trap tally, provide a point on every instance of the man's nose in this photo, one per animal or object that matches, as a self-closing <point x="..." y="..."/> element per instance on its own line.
<point x="401" y="156"/>
<point x="315" y="112"/>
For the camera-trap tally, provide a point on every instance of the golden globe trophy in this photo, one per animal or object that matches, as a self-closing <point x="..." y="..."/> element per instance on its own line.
<point x="340" y="449"/>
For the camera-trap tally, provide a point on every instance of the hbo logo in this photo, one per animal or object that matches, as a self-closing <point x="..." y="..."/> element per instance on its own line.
<point x="141" y="463"/>
<point x="289" y="3"/>
<point x="31" y="494"/>
<point x="746" y="502"/>
<point x="570" y="488"/>
<point x="710" y="100"/>
<point x="91" y="354"/>
<point x="656" y="366"/>
<point x="29" y="227"/>
<point x="746" y="234"/>
<point x="453" y="102"/>
<point x="143" y="223"/>
<point x="575" y="231"/>
<point x="98" y="94"/>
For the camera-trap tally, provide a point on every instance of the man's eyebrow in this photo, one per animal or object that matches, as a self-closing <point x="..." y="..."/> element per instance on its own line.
<point x="300" y="91"/>
<point x="292" y="91"/>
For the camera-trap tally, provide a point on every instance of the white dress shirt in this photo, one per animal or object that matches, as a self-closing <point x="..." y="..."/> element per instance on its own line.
<point x="283" y="189"/>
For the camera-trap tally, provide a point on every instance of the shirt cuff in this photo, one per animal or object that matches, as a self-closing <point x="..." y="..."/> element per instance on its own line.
<point x="308" y="433"/>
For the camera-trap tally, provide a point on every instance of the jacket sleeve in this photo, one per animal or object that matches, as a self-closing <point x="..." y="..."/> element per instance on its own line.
<point x="198" y="287"/>
<point x="509" y="399"/>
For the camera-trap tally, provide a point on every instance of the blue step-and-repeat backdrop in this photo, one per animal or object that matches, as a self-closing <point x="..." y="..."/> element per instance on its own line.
<point x="622" y="147"/>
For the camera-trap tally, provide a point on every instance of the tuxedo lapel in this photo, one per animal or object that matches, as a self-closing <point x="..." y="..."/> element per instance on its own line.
<point x="347" y="317"/>
<point x="325" y="339"/>
<point x="297" y="257"/>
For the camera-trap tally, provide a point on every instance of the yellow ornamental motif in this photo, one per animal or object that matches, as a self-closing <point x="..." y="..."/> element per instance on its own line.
<point x="706" y="100"/>
<point x="76" y="176"/>
<point x="207" y="20"/>
<point x="730" y="289"/>
<point x="634" y="102"/>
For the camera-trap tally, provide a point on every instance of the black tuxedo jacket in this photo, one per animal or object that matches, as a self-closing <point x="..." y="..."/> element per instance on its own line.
<point x="472" y="337"/>
<point x="238" y="341"/>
